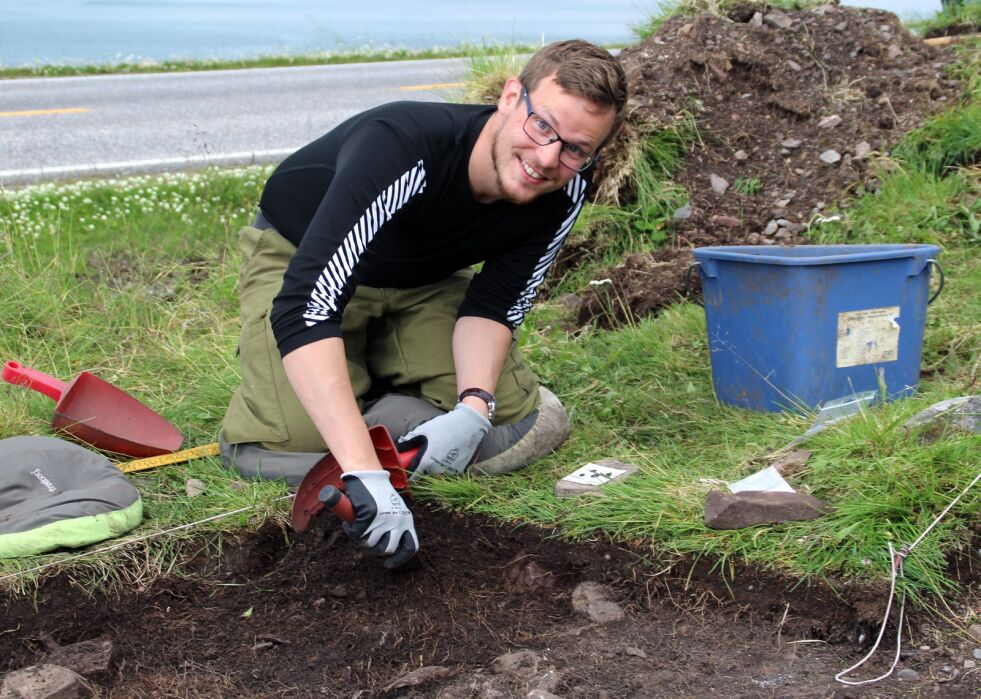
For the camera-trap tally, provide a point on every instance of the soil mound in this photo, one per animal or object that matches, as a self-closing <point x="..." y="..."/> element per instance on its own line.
<point x="790" y="108"/>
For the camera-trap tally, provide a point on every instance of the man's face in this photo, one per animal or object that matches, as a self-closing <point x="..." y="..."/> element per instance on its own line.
<point x="526" y="170"/>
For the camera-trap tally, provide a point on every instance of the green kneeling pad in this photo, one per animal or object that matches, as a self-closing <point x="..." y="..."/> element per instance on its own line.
<point x="56" y="494"/>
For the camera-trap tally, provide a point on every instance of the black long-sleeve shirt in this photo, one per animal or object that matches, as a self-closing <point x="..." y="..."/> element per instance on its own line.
<point x="384" y="199"/>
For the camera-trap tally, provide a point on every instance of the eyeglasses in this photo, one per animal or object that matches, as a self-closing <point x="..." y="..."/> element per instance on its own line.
<point x="542" y="133"/>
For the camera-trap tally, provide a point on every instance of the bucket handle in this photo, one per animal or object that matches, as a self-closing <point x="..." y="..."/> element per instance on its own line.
<point x="688" y="290"/>
<point x="940" y="288"/>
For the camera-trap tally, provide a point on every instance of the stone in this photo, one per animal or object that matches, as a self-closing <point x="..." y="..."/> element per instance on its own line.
<point x="829" y="122"/>
<point x="908" y="674"/>
<point x="961" y="413"/>
<point x="771" y="228"/>
<point x="794" y="65"/>
<point x="893" y="51"/>
<point x="977" y="653"/>
<point x="778" y="19"/>
<point x="636" y="652"/>
<point x="756" y="20"/>
<point x="727" y="221"/>
<point x="599" y="472"/>
<point x="970" y="664"/>
<point x="682" y="213"/>
<point x="421" y="676"/>
<point x="740" y="155"/>
<point x="520" y="663"/>
<point x="85" y="657"/>
<point x="791" y="463"/>
<point x="593" y="600"/>
<point x="974" y="631"/>
<point x="783" y="203"/>
<point x="862" y="150"/>
<point x="841" y="26"/>
<point x="782" y="234"/>
<point x="194" y="487"/>
<point x="45" y="682"/>
<point x="791" y="143"/>
<point x="822" y="10"/>
<point x="752" y="507"/>
<point x="830" y="156"/>
<point x="753" y="238"/>
<point x="719" y="184"/>
<point x="539" y="693"/>
<point x="338" y="591"/>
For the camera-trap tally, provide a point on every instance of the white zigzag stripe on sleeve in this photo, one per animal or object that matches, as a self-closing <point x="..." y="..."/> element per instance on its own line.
<point x="322" y="303"/>
<point x="576" y="190"/>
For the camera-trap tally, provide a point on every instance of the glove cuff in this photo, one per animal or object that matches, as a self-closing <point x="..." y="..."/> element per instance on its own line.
<point x="475" y="415"/>
<point x="368" y="476"/>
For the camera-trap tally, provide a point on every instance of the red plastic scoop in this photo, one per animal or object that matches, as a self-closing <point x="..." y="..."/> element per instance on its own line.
<point x="98" y="413"/>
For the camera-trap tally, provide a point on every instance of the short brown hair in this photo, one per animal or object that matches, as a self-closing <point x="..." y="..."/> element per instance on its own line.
<point x="582" y="69"/>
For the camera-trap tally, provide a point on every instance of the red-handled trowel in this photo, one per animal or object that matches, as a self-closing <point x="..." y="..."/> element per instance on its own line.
<point x="97" y="413"/>
<point x="323" y="487"/>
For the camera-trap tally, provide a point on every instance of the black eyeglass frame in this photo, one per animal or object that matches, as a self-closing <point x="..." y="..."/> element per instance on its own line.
<point x="590" y="159"/>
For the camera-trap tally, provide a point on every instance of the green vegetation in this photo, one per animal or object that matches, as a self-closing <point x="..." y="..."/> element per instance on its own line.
<point x="370" y="55"/>
<point x="957" y="17"/>
<point x="747" y="185"/>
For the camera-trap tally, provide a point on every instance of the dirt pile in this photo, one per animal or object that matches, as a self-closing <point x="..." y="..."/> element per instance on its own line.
<point x="790" y="109"/>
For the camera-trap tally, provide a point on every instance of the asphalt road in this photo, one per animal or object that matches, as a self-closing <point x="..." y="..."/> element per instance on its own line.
<point x="67" y="128"/>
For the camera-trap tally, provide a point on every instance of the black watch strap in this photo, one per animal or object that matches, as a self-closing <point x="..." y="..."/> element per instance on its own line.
<point x="485" y="396"/>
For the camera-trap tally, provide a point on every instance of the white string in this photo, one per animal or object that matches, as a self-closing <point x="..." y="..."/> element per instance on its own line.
<point x="120" y="544"/>
<point x="897" y="572"/>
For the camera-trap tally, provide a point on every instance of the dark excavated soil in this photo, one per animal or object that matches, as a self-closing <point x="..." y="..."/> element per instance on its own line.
<point x="306" y="615"/>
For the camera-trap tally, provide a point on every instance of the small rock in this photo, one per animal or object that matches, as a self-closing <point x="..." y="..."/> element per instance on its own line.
<point x="338" y="591"/>
<point x="592" y="599"/>
<point x="636" y="652"/>
<point x="893" y="52"/>
<point x="263" y="645"/>
<point x="683" y="213"/>
<point x="791" y="143"/>
<point x="727" y="221"/>
<point x="740" y="155"/>
<point x="791" y="463"/>
<point x="908" y="674"/>
<point x="782" y="234"/>
<point x="418" y="677"/>
<point x="521" y="663"/>
<point x="822" y="10"/>
<point x="756" y="20"/>
<point x="767" y="241"/>
<point x="719" y="184"/>
<point x="44" y="682"/>
<point x="539" y="693"/>
<point x="194" y="487"/>
<point x="778" y="19"/>
<point x="974" y="631"/>
<point x="961" y="413"/>
<point x="782" y="203"/>
<point x="685" y="29"/>
<point x="970" y="664"/>
<point x="319" y="602"/>
<point x="753" y="238"/>
<point x="883" y="100"/>
<point x="85" y="657"/>
<point x="819" y="205"/>
<point x="794" y="65"/>
<point x="829" y="122"/>
<point x="830" y="156"/>
<point x="977" y="653"/>
<point x="771" y="228"/>
<point x="862" y="150"/>
<point x="749" y="508"/>
<point x="841" y="26"/>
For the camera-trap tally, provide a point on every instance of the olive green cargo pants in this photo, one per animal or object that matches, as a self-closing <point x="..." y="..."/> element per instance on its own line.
<point x="399" y="339"/>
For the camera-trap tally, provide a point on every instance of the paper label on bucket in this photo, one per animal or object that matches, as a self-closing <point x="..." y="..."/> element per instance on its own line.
<point x="868" y="337"/>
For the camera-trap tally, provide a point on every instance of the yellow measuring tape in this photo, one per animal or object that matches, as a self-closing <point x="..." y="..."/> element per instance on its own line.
<point x="165" y="459"/>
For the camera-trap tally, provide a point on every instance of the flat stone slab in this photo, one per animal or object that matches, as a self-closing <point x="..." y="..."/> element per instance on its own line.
<point x="593" y="600"/>
<point x="44" y="682"/>
<point x="752" y="507"/>
<point x="962" y="413"/>
<point x="85" y="657"/>
<point x="590" y="479"/>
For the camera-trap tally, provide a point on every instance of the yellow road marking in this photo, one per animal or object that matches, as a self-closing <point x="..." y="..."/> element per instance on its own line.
<point x="434" y="86"/>
<point x="42" y="112"/>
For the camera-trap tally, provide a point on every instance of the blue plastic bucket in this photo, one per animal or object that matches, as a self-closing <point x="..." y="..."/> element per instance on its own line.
<point x="791" y="328"/>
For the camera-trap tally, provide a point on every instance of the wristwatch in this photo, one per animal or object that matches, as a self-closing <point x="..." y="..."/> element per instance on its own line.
<point x="484" y="396"/>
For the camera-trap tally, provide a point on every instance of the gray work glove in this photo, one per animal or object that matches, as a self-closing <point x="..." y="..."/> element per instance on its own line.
<point x="382" y="522"/>
<point x="447" y="443"/>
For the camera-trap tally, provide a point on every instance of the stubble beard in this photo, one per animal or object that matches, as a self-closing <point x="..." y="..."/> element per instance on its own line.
<point x="496" y="158"/>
